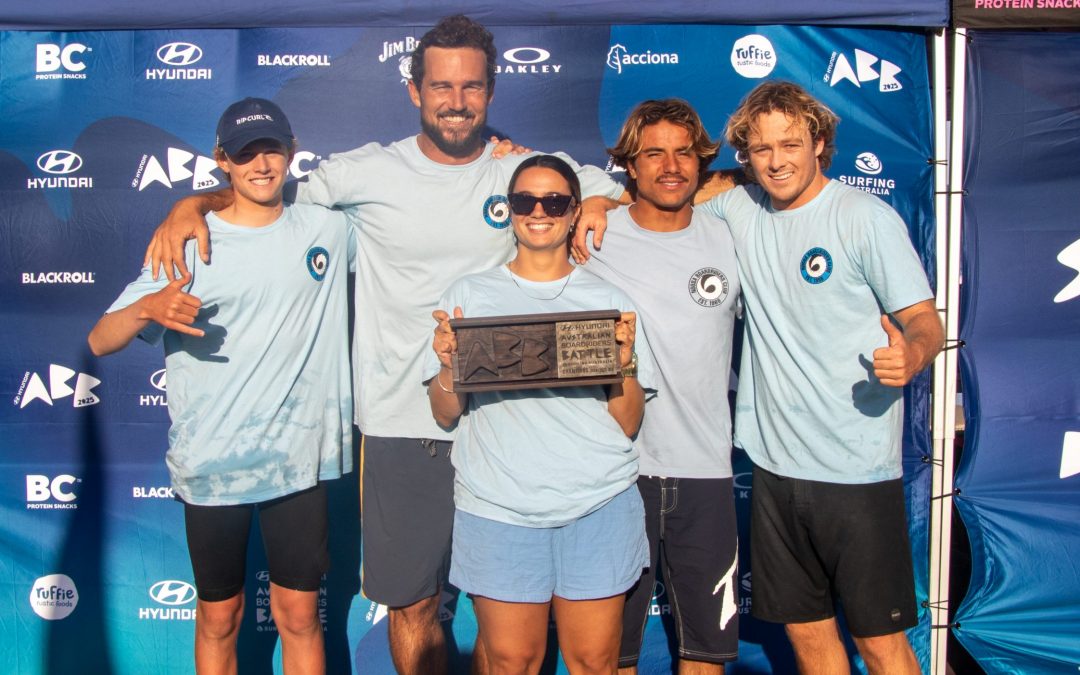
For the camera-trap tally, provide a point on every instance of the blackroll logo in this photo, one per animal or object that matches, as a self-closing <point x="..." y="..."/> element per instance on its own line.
<point x="58" y="277"/>
<point x="1070" y="257"/>
<point x="56" y="492"/>
<point x="59" y="164"/>
<point x="401" y="49"/>
<point x="868" y="164"/>
<point x="753" y="56"/>
<point x="816" y="266"/>
<point x="293" y="60"/>
<point x="708" y="287"/>
<point x="527" y="60"/>
<point x="867" y="69"/>
<point x="178" y="56"/>
<point x="157" y="381"/>
<point x="178" y="167"/>
<point x="61" y="62"/>
<point x="32" y="388"/>
<point x="619" y="57"/>
<point x="170" y="596"/>
<point x="54" y="596"/>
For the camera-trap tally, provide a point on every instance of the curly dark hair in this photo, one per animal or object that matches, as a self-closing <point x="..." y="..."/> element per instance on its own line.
<point x="456" y="32"/>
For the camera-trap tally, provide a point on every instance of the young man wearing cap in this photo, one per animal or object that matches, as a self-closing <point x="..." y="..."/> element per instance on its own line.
<point x="259" y="389"/>
<point x="426" y="210"/>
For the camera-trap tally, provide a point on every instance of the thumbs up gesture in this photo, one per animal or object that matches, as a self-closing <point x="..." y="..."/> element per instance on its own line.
<point x="896" y="364"/>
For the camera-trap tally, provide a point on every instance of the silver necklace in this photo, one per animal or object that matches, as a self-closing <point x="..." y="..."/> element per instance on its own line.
<point x="562" y="288"/>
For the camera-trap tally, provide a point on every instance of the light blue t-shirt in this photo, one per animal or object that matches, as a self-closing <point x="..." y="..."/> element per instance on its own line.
<point x="686" y="286"/>
<point x="421" y="225"/>
<point x="539" y="457"/>
<point x="815" y="281"/>
<point x="260" y="405"/>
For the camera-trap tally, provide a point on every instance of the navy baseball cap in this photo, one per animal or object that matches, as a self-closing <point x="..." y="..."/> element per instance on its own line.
<point x="250" y="120"/>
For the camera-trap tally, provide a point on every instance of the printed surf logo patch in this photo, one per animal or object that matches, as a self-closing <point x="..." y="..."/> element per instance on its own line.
<point x="708" y="287"/>
<point x="816" y="266"/>
<point x="497" y="211"/>
<point x="318" y="260"/>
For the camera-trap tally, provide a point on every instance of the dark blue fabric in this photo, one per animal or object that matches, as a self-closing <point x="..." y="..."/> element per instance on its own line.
<point x="1021" y="366"/>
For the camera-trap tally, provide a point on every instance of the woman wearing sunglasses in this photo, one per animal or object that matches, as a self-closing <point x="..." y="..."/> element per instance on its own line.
<point x="548" y="518"/>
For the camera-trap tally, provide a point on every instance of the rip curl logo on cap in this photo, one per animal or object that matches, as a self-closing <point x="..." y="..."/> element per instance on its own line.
<point x="318" y="260"/>
<point x="497" y="211"/>
<point x="708" y="287"/>
<point x="816" y="266"/>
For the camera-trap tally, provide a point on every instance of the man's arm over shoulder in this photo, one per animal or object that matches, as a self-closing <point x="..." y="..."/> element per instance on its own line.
<point x="342" y="179"/>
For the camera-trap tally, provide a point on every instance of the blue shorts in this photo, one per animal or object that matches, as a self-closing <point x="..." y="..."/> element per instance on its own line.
<point x="597" y="556"/>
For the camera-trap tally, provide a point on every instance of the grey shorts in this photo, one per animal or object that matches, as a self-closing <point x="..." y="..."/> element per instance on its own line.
<point x="693" y="535"/>
<point x="406" y="518"/>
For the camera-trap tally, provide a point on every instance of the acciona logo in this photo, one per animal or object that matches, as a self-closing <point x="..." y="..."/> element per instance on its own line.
<point x="54" y="597"/>
<point x="867" y="69"/>
<point x="178" y="56"/>
<point x="620" y="57"/>
<point x="753" y="56"/>
<point x="32" y="388"/>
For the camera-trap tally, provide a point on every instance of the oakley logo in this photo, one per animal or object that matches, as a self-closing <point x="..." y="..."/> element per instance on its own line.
<point x="59" y="162"/>
<point x="179" y="54"/>
<point x="172" y="592"/>
<point x="157" y="380"/>
<point x="527" y="55"/>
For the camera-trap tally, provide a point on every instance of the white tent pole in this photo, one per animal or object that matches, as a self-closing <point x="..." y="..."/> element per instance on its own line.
<point x="948" y="204"/>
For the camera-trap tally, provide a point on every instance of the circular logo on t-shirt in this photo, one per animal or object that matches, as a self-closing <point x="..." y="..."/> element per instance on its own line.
<point x="318" y="260"/>
<point x="816" y="265"/>
<point x="497" y="211"/>
<point x="708" y="287"/>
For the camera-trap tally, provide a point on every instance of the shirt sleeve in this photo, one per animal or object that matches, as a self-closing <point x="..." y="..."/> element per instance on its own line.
<point x="595" y="182"/>
<point x="336" y="182"/>
<point x="889" y="262"/>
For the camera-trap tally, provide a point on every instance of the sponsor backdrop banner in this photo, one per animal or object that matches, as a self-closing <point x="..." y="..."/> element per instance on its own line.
<point x="103" y="131"/>
<point x="112" y="14"/>
<point x="1014" y="14"/>
<point x="1019" y="478"/>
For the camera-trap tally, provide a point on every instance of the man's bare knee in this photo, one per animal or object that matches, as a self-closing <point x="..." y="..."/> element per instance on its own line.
<point x="220" y="620"/>
<point x="421" y="613"/>
<point x="890" y="653"/>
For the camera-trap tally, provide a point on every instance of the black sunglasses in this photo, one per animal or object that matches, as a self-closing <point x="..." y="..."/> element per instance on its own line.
<point x="554" y="205"/>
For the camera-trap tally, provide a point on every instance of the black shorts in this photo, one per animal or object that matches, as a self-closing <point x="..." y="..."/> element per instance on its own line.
<point x="406" y="518"/>
<point x="811" y="541"/>
<point x="693" y="533"/>
<point x="294" y="533"/>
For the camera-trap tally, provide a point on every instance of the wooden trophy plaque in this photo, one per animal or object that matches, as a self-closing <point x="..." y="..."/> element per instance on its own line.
<point x="529" y="351"/>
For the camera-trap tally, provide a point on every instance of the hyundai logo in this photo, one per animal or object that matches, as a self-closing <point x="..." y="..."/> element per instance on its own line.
<point x="179" y="54"/>
<point x="172" y="592"/>
<point x="531" y="55"/>
<point x="157" y="380"/>
<point x="263" y="575"/>
<point x="59" y="161"/>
